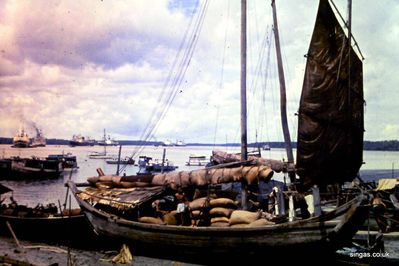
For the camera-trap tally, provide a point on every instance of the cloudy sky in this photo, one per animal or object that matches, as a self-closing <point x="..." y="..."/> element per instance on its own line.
<point x="77" y="67"/>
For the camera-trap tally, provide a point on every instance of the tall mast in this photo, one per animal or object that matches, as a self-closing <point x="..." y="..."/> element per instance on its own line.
<point x="349" y="49"/>
<point x="243" y="87"/>
<point x="243" y="78"/>
<point x="283" y="98"/>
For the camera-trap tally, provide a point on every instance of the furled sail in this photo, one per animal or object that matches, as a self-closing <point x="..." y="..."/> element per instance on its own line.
<point x="330" y="122"/>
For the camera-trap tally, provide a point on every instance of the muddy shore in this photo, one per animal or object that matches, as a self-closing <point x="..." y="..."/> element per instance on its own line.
<point x="31" y="253"/>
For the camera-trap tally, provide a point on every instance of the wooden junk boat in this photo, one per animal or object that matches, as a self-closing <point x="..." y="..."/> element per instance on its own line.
<point x="330" y="138"/>
<point x="44" y="223"/>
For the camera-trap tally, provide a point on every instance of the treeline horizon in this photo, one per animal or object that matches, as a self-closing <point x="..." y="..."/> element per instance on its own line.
<point x="384" y="145"/>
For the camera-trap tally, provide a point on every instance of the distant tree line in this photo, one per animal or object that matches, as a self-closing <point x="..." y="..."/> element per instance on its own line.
<point x="385" y="145"/>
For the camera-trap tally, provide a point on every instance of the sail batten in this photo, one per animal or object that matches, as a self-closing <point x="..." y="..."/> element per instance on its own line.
<point x="330" y="122"/>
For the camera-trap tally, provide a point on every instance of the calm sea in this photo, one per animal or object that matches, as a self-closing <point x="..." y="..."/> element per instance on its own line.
<point x="32" y="192"/>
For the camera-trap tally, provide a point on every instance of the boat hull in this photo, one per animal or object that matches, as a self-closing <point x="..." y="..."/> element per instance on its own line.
<point x="57" y="229"/>
<point x="318" y="232"/>
<point x="20" y="144"/>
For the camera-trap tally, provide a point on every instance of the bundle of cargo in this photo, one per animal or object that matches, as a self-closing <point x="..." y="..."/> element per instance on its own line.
<point x="250" y="174"/>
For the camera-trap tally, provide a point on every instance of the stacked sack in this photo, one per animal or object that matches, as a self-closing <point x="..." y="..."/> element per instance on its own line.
<point x="197" y="208"/>
<point x="241" y="218"/>
<point x="220" y="211"/>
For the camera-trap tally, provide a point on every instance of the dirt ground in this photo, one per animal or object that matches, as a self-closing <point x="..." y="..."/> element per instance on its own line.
<point x="41" y="254"/>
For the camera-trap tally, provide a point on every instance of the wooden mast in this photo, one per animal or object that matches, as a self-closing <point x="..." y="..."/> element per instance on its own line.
<point x="283" y="98"/>
<point x="243" y="90"/>
<point x="243" y="78"/>
<point x="349" y="50"/>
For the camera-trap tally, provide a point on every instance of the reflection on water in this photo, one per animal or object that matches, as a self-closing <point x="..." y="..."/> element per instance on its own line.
<point x="32" y="192"/>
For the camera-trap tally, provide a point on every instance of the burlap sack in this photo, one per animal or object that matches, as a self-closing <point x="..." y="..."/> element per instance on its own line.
<point x="198" y="178"/>
<point x="170" y="218"/>
<point x="150" y="220"/>
<point x="223" y="202"/>
<point x="251" y="174"/>
<point x="173" y="180"/>
<point x="197" y="204"/>
<point x="265" y="173"/>
<point x="243" y="217"/>
<point x="93" y="179"/>
<point x="159" y="180"/>
<point x="196" y="214"/>
<point x="220" y="212"/>
<point x="185" y="179"/>
<point x="219" y="219"/>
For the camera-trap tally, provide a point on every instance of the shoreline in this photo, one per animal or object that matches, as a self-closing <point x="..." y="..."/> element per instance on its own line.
<point x="45" y="254"/>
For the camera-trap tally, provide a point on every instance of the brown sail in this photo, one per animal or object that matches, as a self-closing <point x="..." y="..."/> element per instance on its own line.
<point x="330" y="123"/>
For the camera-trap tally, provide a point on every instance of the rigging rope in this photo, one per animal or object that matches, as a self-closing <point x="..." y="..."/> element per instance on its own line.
<point x="173" y="84"/>
<point x="221" y="73"/>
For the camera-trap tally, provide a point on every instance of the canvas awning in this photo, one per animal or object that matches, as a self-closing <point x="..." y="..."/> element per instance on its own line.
<point x="387" y="183"/>
<point x="121" y="198"/>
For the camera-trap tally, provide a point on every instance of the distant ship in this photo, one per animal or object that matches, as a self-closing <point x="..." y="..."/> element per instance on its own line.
<point x="266" y="147"/>
<point x="21" y="140"/>
<point x="79" y="140"/>
<point x="167" y="143"/>
<point x="39" y="140"/>
<point x="108" y="141"/>
<point x="180" y="143"/>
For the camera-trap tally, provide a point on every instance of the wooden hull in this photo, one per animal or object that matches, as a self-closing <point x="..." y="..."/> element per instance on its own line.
<point x="58" y="230"/>
<point x="310" y="233"/>
<point x="26" y="168"/>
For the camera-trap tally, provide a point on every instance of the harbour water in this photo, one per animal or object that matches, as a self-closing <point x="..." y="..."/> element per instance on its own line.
<point x="32" y="192"/>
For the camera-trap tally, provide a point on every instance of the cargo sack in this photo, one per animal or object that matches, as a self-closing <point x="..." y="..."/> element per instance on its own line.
<point x="220" y="212"/>
<point x="223" y="202"/>
<point x="150" y="220"/>
<point x="243" y="217"/>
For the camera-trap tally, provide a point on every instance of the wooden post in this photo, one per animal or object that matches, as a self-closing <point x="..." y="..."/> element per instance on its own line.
<point x="283" y="97"/>
<point x="316" y="200"/>
<point x="119" y="159"/>
<point x="163" y="159"/>
<point x="13" y="234"/>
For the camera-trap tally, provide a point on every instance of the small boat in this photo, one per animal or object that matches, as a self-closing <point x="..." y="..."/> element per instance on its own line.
<point x="30" y="168"/>
<point x="194" y="160"/>
<point x="266" y="147"/>
<point x="149" y="165"/>
<point x="67" y="160"/>
<point x="21" y="140"/>
<point x="44" y="223"/>
<point x="99" y="155"/>
<point x="126" y="160"/>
